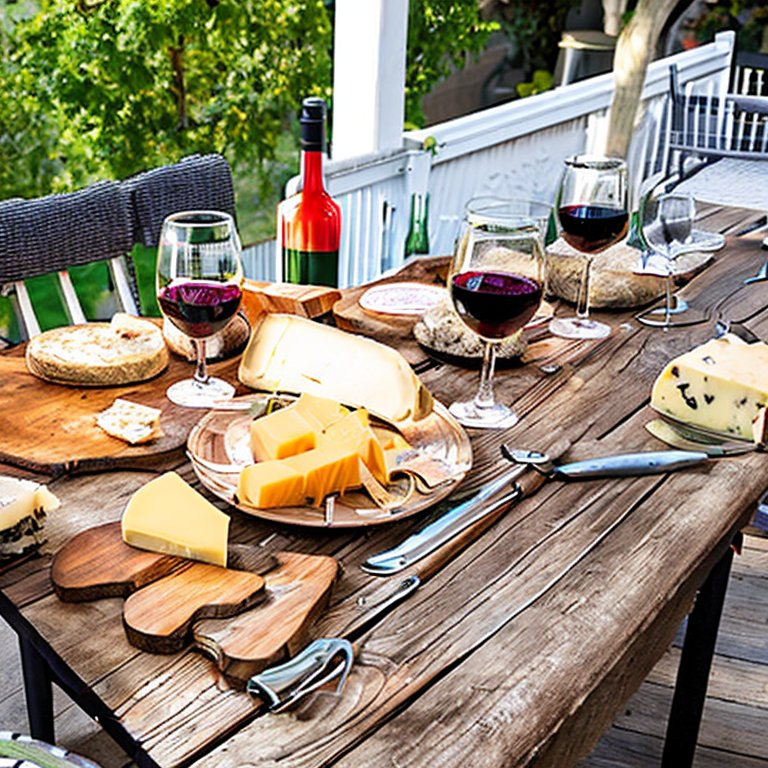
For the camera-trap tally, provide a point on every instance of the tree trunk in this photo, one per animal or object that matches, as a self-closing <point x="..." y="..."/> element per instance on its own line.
<point x="634" y="49"/>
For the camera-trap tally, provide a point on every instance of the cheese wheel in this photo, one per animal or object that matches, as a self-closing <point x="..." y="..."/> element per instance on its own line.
<point x="123" y="351"/>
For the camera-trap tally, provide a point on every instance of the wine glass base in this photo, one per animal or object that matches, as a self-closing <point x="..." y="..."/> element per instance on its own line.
<point x="191" y="393"/>
<point x="658" y="320"/>
<point x="497" y="416"/>
<point x="578" y="328"/>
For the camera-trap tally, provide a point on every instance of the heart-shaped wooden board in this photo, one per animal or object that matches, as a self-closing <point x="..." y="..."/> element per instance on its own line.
<point x="243" y="620"/>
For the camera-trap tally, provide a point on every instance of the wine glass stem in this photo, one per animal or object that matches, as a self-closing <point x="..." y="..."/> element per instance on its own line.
<point x="484" y="397"/>
<point x="668" y="295"/>
<point x="201" y="366"/>
<point x="582" y="300"/>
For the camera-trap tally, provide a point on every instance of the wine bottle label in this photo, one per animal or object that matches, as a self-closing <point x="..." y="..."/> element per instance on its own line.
<point x="311" y="267"/>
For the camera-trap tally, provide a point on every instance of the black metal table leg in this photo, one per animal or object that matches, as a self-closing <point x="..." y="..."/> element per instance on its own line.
<point x="38" y="691"/>
<point x="695" y="663"/>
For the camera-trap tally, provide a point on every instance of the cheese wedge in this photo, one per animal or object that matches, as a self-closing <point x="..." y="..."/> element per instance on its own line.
<point x="332" y="468"/>
<point x="355" y="430"/>
<point x="23" y="507"/>
<point x="132" y="422"/>
<point x="169" y="516"/>
<point x="293" y="429"/>
<point x="720" y="385"/>
<point x="293" y="354"/>
<point x="271" y="484"/>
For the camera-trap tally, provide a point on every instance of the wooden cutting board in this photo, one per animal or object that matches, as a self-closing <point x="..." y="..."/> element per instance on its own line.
<point x="52" y="428"/>
<point x="350" y="316"/>
<point x="173" y="602"/>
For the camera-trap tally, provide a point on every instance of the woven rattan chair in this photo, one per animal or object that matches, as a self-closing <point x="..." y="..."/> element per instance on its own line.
<point x="199" y="182"/>
<point x="49" y="235"/>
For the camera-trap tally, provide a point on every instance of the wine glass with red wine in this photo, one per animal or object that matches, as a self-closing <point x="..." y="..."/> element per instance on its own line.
<point x="198" y="289"/>
<point x="591" y="207"/>
<point x="496" y="287"/>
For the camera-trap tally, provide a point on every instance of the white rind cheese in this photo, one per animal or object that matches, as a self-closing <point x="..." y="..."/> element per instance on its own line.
<point x="721" y="385"/>
<point x="291" y="354"/>
<point x="126" y="350"/>
<point x="23" y="507"/>
<point x="132" y="422"/>
<point x="168" y="516"/>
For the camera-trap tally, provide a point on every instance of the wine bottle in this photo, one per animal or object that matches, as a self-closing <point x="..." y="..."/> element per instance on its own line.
<point x="309" y="222"/>
<point x="417" y="240"/>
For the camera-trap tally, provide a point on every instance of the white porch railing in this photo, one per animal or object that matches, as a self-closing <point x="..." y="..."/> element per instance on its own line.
<point x="512" y="150"/>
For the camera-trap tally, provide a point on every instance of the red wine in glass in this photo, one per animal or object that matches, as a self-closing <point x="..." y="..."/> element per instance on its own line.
<point x="199" y="308"/>
<point x="495" y="304"/>
<point x="591" y="228"/>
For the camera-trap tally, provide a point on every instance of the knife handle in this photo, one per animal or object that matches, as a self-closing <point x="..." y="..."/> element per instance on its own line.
<point x="631" y="464"/>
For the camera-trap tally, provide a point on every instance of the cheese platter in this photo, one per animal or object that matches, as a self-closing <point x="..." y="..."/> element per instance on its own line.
<point x="438" y="449"/>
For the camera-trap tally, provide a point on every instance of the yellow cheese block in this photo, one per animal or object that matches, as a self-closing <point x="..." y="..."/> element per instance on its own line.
<point x="720" y="385"/>
<point x="293" y="429"/>
<point x="293" y="354"/>
<point x="169" y="516"/>
<point x="280" y="434"/>
<point x="320" y="412"/>
<point x="332" y="468"/>
<point x="271" y="484"/>
<point x="355" y="430"/>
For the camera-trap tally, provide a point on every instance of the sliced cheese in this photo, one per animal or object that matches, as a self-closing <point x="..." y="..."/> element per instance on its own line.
<point x="293" y="354"/>
<point x="720" y="385"/>
<point x="132" y="422"/>
<point x="23" y="507"/>
<point x="169" y="516"/>
<point x="293" y="429"/>
<point x="332" y="468"/>
<point x="355" y="430"/>
<point x="280" y="434"/>
<point x="320" y="412"/>
<point x="271" y="484"/>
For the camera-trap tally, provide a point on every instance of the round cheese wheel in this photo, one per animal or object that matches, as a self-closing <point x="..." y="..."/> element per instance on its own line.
<point x="123" y="351"/>
<point x="442" y="330"/>
<point x="614" y="283"/>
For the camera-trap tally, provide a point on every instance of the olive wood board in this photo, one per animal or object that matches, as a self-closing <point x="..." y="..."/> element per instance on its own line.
<point x="244" y="621"/>
<point x="51" y="428"/>
<point x="350" y="316"/>
<point x="305" y="300"/>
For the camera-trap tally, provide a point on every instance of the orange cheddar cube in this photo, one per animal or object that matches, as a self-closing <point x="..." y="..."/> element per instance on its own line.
<point x="271" y="484"/>
<point x="354" y="430"/>
<point x="280" y="434"/>
<point x="327" y="469"/>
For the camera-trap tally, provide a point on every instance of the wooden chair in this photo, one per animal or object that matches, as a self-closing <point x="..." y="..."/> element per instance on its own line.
<point x="103" y="222"/>
<point x="710" y="127"/>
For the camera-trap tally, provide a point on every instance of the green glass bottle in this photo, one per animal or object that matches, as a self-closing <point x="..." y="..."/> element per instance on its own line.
<point x="417" y="241"/>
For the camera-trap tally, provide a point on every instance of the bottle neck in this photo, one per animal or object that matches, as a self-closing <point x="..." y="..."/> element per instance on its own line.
<point x="312" y="171"/>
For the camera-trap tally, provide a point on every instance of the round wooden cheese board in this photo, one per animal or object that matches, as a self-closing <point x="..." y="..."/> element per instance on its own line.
<point x="218" y="447"/>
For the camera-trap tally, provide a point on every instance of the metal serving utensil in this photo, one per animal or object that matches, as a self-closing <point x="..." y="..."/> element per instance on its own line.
<point x="691" y="439"/>
<point x="618" y="465"/>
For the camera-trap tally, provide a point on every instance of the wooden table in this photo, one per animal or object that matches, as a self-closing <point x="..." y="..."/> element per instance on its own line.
<point x="519" y="652"/>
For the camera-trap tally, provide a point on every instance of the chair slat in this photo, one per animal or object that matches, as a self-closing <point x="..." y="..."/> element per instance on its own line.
<point x="28" y="317"/>
<point x="123" y="285"/>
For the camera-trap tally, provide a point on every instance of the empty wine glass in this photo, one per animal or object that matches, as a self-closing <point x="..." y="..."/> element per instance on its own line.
<point x="198" y="289"/>
<point x="591" y="206"/>
<point x="666" y="221"/>
<point x="495" y="285"/>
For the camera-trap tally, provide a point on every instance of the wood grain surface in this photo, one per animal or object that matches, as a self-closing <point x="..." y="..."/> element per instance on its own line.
<point x="522" y="649"/>
<point x="52" y="428"/>
<point x="173" y="602"/>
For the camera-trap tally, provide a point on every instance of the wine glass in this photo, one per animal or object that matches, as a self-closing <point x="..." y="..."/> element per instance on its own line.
<point x="495" y="285"/>
<point x="666" y="222"/>
<point x="591" y="206"/>
<point x="198" y="289"/>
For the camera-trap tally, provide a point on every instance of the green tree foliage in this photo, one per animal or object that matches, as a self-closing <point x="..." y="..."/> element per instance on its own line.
<point x="114" y="86"/>
<point x="105" y="88"/>
<point x="441" y="35"/>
